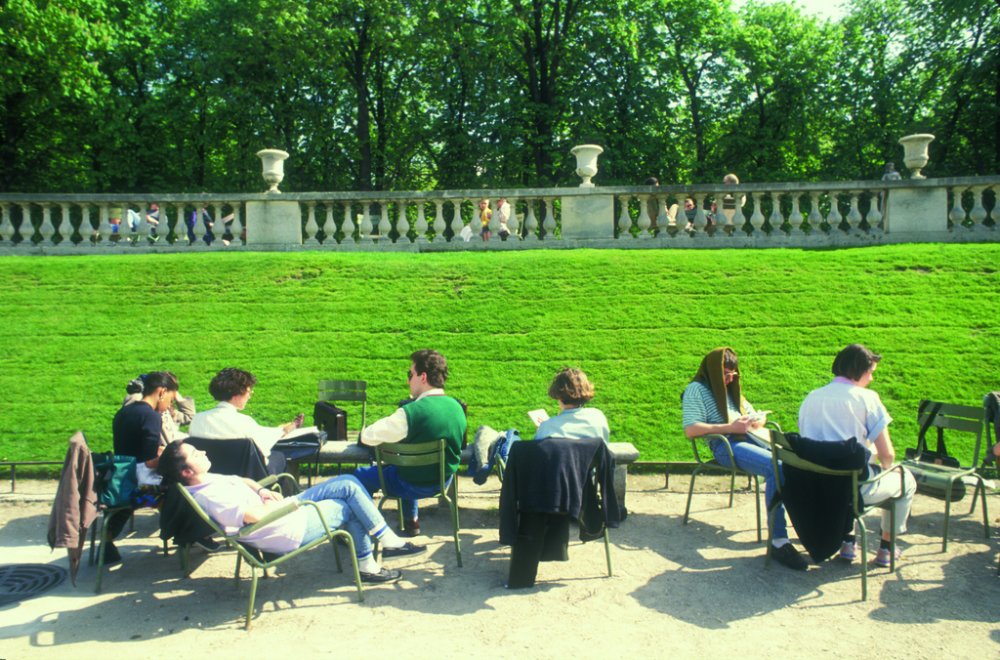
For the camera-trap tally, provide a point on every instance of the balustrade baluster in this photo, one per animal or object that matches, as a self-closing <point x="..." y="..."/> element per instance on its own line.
<point x="6" y="226"/>
<point x="512" y="220"/>
<point x="347" y="226"/>
<point x="84" y="228"/>
<point x="699" y="225"/>
<point x="65" y="227"/>
<point x="439" y="224"/>
<point x="994" y="214"/>
<point x="420" y="226"/>
<point x="662" y="219"/>
<point x="457" y="221"/>
<point x="236" y="225"/>
<point x="957" y="213"/>
<point x="179" y="228"/>
<point x="776" y="220"/>
<point x="874" y="217"/>
<point x="367" y="226"/>
<point x="329" y="227"/>
<point x="833" y="218"/>
<point x="644" y="221"/>
<point x="402" y="224"/>
<point x="757" y="217"/>
<point x="27" y="228"/>
<point x="383" y="222"/>
<point x="530" y="222"/>
<point x="854" y="215"/>
<point x="624" y="219"/>
<point x="815" y="217"/>
<point x="978" y="213"/>
<point x="549" y="224"/>
<point x="494" y="223"/>
<point x="46" y="230"/>
<point x="311" y="227"/>
<point x="795" y="219"/>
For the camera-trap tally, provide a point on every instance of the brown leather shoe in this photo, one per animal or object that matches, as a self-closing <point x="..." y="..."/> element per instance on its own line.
<point x="411" y="528"/>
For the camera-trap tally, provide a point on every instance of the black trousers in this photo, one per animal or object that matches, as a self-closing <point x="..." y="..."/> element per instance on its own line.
<point x="540" y="537"/>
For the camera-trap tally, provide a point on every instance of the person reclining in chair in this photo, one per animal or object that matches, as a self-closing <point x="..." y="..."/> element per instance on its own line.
<point x="233" y="502"/>
<point x="713" y="403"/>
<point x="432" y="415"/>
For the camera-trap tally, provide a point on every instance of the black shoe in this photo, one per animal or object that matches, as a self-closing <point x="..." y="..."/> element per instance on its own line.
<point x="410" y="529"/>
<point x="111" y="554"/>
<point x="208" y="544"/>
<point x="385" y="575"/>
<point x="407" y="549"/>
<point x="788" y="556"/>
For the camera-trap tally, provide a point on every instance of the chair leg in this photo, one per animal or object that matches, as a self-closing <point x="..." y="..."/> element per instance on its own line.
<point x="864" y="558"/>
<point x="100" y="558"/>
<point x="756" y="500"/>
<point x="892" y="539"/>
<point x="453" y="504"/>
<point x="732" y="488"/>
<point x="687" y="509"/>
<point x="607" y="551"/>
<point x="986" y="517"/>
<point x="947" y="517"/>
<point x="253" y="595"/>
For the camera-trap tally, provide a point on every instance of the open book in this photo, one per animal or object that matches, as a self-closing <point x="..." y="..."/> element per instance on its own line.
<point x="538" y="416"/>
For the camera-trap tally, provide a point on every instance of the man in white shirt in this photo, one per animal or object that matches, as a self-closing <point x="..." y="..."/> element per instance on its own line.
<point x="233" y="502"/>
<point x="232" y="388"/>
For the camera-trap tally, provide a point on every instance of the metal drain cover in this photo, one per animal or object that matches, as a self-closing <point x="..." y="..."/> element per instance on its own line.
<point x="22" y="581"/>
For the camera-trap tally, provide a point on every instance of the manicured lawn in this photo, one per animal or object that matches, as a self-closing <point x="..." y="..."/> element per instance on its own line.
<point x="76" y="329"/>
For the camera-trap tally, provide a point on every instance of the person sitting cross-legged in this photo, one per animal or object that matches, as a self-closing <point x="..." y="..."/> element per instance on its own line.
<point x="233" y="502"/>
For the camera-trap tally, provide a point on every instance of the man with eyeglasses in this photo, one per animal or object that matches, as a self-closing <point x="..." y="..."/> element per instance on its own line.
<point x="431" y="415"/>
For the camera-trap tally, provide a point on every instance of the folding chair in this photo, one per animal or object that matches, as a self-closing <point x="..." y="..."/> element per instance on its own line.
<point x="703" y="465"/>
<point x="781" y="451"/>
<point x="346" y="390"/>
<point x="960" y="419"/>
<point x="406" y="454"/>
<point x="263" y="561"/>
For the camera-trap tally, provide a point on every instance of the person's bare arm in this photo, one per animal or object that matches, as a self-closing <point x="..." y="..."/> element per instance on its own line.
<point x="738" y="426"/>
<point x="886" y="452"/>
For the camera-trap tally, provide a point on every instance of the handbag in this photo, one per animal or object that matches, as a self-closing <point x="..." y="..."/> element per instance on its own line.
<point x="931" y="482"/>
<point x="116" y="481"/>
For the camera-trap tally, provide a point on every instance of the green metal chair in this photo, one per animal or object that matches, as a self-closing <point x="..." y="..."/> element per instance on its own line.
<point x="264" y="561"/>
<point x="100" y="529"/>
<point x="419" y="454"/>
<point x="703" y="465"/>
<point x="781" y="451"/>
<point x="346" y="390"/>
<point x="960" y="419"/>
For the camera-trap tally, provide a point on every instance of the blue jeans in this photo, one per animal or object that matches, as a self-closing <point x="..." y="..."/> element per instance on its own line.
<point x="397" y="487"/>
<point x="345" y="503"/>
<point x="754" y="459"/>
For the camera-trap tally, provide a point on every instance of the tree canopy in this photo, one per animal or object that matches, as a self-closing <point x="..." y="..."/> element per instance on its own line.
<point x="178" y="95"/>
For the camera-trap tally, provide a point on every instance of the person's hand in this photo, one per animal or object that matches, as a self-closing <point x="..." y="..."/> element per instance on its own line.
<point x="741" y="425"/>
<point x="758" y="421"/>
<point x="297" y="422"/>
<point x="270" y="495"/>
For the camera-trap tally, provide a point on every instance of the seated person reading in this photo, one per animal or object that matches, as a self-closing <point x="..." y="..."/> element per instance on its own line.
<point x="713" y="403"/>
<point x="232" y="388"/>
<point x="572" y="390"/>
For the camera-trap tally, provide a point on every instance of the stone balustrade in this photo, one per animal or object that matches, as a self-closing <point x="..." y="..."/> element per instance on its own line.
<point x="746" y="215"/>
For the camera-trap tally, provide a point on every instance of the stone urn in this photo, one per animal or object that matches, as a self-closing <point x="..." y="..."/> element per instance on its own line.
<point x="273" y="163"/>
<point x="915" y="152"/>
<point x="586" y="162"/>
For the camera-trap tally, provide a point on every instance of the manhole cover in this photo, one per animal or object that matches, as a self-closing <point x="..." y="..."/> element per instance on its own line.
<point x="22" y="581"/>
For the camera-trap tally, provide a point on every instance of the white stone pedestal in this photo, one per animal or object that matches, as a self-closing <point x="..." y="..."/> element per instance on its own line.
<point x="588" y="217"/>
<point x="915" y="210"/>
<point x="274" y="223"/>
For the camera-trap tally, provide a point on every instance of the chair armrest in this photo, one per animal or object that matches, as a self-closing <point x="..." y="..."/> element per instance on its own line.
<point x="898" y="467"/>
<point x="286" y="507"/>
<point x="707" y="438"/>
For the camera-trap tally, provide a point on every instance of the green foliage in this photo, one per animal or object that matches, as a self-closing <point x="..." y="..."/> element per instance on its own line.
<point x="637" y="321"/>
<point x="178" y="95"/>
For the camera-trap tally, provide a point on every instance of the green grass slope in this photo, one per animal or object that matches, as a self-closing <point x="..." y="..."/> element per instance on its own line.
<point x="76" y="329"/>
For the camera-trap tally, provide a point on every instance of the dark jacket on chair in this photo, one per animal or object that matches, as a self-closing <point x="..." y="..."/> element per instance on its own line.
<point x="820" y="505"/>
<point x="552" y="476"/>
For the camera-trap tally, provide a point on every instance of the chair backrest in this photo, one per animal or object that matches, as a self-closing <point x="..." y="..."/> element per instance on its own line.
<point x="957" y="418"/>
<point x="781" y="450"/>
<point x="189" y="498"/>
<point x="236" y="456"/>
<point x="412" y="454"/>
<point x="345" y="390"/>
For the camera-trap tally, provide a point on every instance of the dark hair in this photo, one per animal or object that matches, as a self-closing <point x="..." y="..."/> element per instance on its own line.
<point x="431" y="363"/>
<point x="154" y="380"/>
<point x="134" y="386"/>
<point x="571" y="387"/>
<point x="652" y="181"/>
<point x="231" y="382"/>
<point x="172" y="463"/>
<point x="854" y="361"/>
<point x="729" y="360"/>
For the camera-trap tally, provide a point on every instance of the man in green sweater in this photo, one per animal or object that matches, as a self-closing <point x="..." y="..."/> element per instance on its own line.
<point x="431" y="415"/>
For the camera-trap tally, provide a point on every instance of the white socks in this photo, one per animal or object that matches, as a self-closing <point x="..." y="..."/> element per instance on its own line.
<point x="368" y="565"/>
<point x="388" y="538"/>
